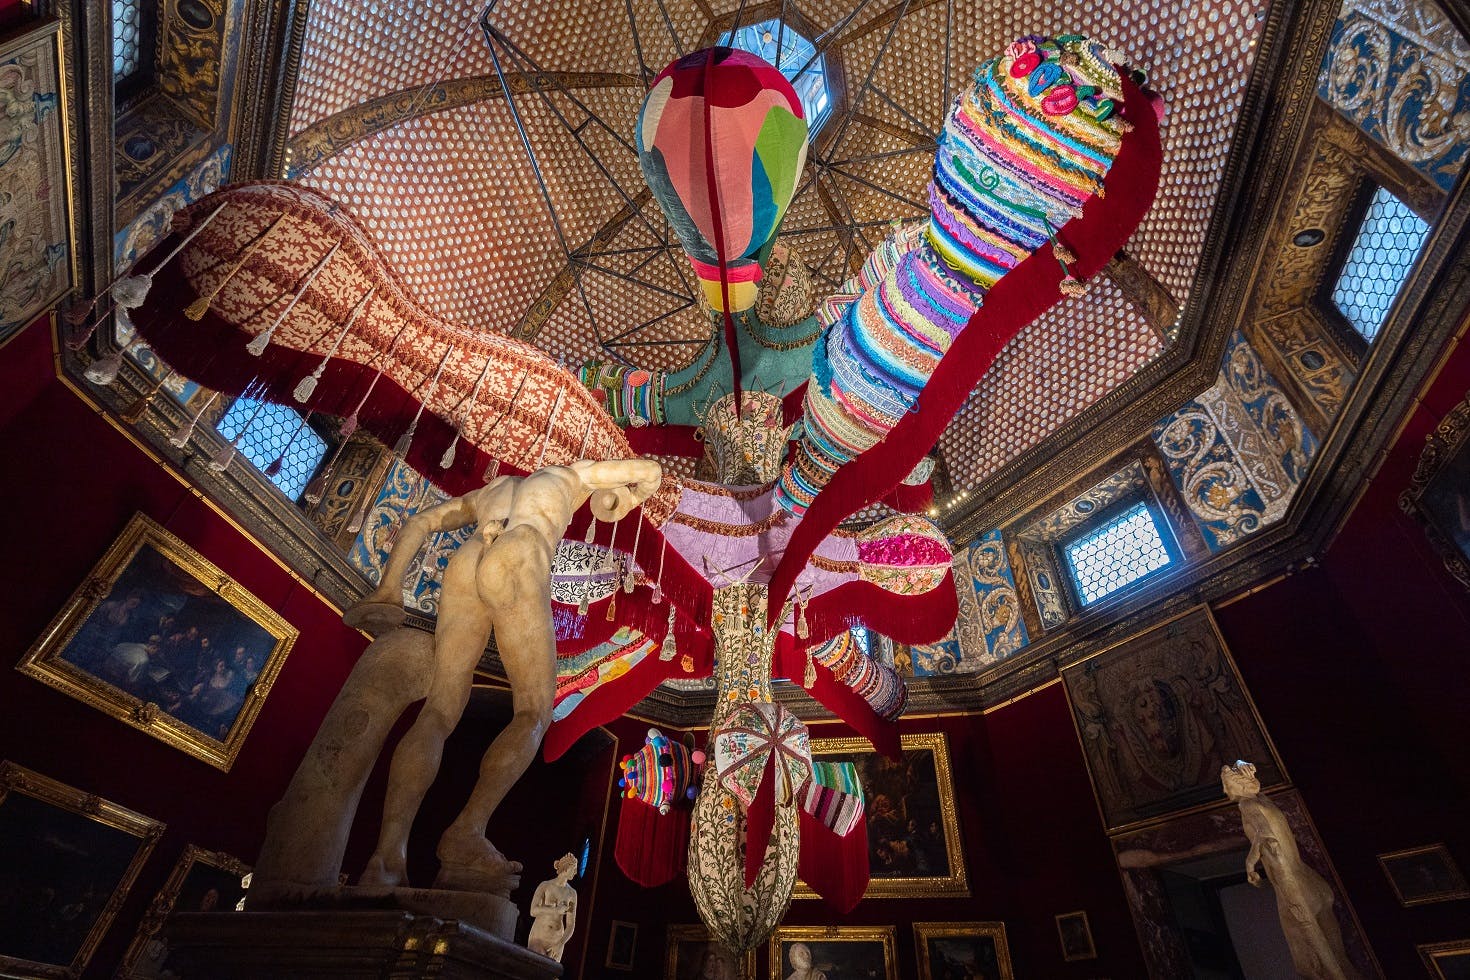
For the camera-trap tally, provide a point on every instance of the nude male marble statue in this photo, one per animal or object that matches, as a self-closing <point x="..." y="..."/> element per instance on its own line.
<point x="554" y="909"/>
<point x="1303" y="897"/>
<point x="498" y="581"/>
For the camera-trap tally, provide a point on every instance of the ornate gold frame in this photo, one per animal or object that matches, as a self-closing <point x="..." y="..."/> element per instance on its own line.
<point x="839" y="934"/>
<point x="1463" y="891"/>
<point x="18" y="779"/>
<point x="43" y="661"/>
<point x="924" y="931"/>
<point x="1447" y="439"/>
<point x="163" y="903"/>
<point x="47" y="35"/>
<point x="957" y="882"/>
<point x="1091" y="953"/>
<point x="696" y="933"/>
<point x="1432" y="953"/>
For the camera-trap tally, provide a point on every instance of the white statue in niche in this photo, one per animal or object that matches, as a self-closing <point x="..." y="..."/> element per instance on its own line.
<point x="554" y="909"/>
<point x="1303" y="897"/>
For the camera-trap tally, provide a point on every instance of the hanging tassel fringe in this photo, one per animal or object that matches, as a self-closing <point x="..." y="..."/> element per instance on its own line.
<point x="222" y="459"/>
<point x="197" y="309"/>
<point x="185" y="431"/>
<point x="262" y="340"/>
<point x="306" y="387"/>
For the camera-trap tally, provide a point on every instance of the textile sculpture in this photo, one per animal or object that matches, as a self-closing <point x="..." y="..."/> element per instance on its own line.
<point x="722" y="141"/>
<point x="834" y="835"/>
<point x="1023" y="149"/>
<point x="657" y="783"/>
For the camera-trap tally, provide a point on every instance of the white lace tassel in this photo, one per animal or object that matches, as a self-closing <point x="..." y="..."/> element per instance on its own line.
<point x="185" y="431"/>
<point x="400" y="449"/>
<point x="306" y="387"/>
<point x="263" y="339"/>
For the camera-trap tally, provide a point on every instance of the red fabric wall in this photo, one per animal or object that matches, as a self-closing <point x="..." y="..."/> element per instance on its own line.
<point x="1359" y="669"/>
<point x="1034" y="847"/>
<point x="76" y="482"/>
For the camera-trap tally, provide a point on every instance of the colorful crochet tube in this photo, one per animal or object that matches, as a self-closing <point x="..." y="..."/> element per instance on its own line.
<point x="1022" y="150"/>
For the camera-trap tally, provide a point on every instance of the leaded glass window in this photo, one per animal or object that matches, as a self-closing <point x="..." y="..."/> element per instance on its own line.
<point x="127" y="37"/>
<point x="274" y="432"/>
<point x="790" y="52"/>
<point x="1385" y="249"/>
<point x="1116" y="553"/>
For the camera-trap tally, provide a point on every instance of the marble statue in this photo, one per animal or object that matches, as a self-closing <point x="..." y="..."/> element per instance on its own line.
<point x="497" y="581"/>
<point x="1303" y="897"/>
<point x="800" y="955"/>
<point x="554" y="909"/>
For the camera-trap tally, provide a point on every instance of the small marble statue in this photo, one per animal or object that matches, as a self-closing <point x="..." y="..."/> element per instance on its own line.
<point x="554" y="909"/>
<point x="1303" y="897"/>
<point x="499" y="580"/>
<point x="800" y="955"/>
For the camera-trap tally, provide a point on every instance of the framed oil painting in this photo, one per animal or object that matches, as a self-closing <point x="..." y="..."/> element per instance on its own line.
<point x="161" y="639"/>
<point x="1438" y="495"/>
<point x="67" y="858"/>
<point x="962" y="951"/>
<point x="36" y="245"/>
<point x="914" y="845"/>
<point x="1421" y="875"/>
<point x="622" y="945"/>
<point x="1447" y="961"/>
<point x="838" y="952"/>
<point x="1075" y="934"/>
<point x="1158" y="715"/>
<point x="201" y="881"/>
<point x="693" y="955"/>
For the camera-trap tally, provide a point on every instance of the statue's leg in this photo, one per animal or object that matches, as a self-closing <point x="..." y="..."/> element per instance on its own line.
<point x="459" y="640"/>
<point x="515" y="581"/>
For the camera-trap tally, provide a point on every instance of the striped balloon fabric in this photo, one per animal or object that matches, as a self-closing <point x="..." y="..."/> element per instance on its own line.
<point x="1023" y="149"/>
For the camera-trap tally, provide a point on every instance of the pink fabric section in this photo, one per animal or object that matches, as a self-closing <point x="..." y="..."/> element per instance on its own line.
<point x="907" y="550"/>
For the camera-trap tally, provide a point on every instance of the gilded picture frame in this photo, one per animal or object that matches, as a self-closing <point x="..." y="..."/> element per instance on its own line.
<point x="898" y="850"/>
<point x="1074" y="932"/>
<point x="1438" y="495"/>
<point x="856" y="951"/>
<point x="979" y="948"/>
<point x="1158" y="714"/>
<point x="159" y="638"/>
<point x="38" y="244"/>
<point x="689" y="946"/>
<point x="1424" y="875"/>
<point x="62" y="847"/>
<point x="1446" y="961"/>
<point x="201" y="881"/>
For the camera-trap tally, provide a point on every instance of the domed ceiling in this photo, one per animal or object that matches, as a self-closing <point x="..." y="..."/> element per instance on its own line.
<point x="530" y="217"/>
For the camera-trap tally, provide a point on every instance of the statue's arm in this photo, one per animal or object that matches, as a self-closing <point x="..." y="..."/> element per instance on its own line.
<point x="1251" y="860"/>
<point x="376" y="611"/>
<point x="642" y="475"/>
<point x="538" y="900"/>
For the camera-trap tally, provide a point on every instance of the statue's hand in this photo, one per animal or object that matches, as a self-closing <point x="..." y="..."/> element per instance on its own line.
<point x="376" y="618"/>
<point x="1254" y="877"/>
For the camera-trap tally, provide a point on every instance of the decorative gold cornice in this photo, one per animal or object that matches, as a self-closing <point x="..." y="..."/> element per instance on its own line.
<point x="330" y="136"/>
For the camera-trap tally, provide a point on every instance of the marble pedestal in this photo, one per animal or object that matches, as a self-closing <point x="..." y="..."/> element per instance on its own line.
<point x="347" y="943"/>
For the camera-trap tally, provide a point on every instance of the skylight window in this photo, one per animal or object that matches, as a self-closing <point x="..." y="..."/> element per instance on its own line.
<point x="789" y="51"/>
<point x="1387" y="245"/>
<point x="1115" y="554"/>
<point x="127" y="33"/>
<point x="274" y="432"/>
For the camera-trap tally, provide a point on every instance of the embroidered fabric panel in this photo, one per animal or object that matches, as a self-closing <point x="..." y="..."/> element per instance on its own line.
<point x="1401" y="72"/>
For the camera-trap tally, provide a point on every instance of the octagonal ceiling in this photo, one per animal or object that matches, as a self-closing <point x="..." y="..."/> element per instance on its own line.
<point x="529" y="216"/>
